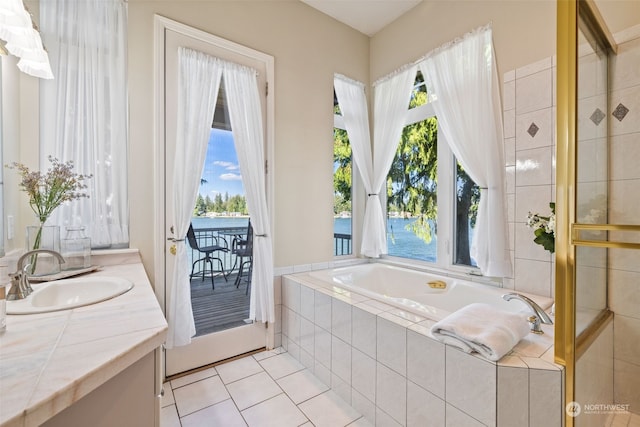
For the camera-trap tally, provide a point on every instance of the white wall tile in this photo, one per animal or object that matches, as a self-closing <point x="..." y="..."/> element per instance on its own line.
<point x="341" y="320"/>
<point x="624" y="201"/>
<point x="509" y="95"/>
<point x="341" y="359"/>
<point x="509" y="76"/>
<point x="624" y="297"/>
<point x="322" y="343"/>
<point x="627" y="339"/>
<point x="385" y="420"/>
<point x="364" y="331"/>
<point x="291" y="294"/>
<point x="426" y="362"/>
<point x="364" y="406"/>
<point x="322" y="310"/>
<point x="510" y="151"/>
<point x="543" y="137"/>
<point x="533" y="167"/>
<point x="307" y="360"/>
<point x="624" y="65"/>
<point x="509" y="124"/>
<point x="525" y="246"/>
<point x="293" y="327"/>
<point x="513" y="396"/>
<point x="307" y="301"/>
<point x="423" y="408"/>
<point x="534" y="67"/>
<point x="624" y="152"/>
<point x="471" y="385"/>
<point x="533" y="199"/>
<point x="392" y="345"/>
<point x="457" y="418"/>
<point x="363" y="374"/>
<point x="630" y="98"/>
<point x="533" y="277"/>
<point x="341" y="388"/>
<point x="534" y="92"/>
<point x="307" y="335"/>
<point x="626" y="378"/>
<point x="545" y="398"/>
<point x="322" y="373"/>
<point x="391" y="393"/>
<point x="277" y="289"/>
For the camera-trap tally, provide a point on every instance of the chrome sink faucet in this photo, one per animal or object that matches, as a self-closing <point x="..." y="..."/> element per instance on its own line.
<point x="539" y="313"/>
<point x="20" y="286"/>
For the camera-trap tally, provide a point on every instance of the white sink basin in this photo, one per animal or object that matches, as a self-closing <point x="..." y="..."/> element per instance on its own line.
<point x="69" y="293"/>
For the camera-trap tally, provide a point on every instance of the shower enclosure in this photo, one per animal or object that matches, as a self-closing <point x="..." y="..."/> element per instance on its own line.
<point x="596" y="223"/>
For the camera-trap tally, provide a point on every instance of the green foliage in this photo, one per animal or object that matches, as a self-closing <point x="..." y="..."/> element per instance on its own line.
<point x="412" y="178"/>
<point x="235" y="203"/>
<point x="342" y="164"/>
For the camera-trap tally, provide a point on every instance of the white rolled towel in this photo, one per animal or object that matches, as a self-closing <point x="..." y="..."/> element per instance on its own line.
<point x="482" y="328"/>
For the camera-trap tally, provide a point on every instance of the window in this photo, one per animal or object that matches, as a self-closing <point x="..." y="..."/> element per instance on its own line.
<point x="422" y="182"/>
<point x="342" y="186"/>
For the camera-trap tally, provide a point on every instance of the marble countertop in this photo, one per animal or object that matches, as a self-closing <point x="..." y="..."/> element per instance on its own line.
<point x="49" y="361"/>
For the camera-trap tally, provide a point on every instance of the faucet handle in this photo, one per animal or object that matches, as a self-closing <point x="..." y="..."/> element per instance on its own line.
<point x="535" y="324"/>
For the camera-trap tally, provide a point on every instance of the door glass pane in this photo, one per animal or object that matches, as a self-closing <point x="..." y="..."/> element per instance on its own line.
<point x="220" y="256"/>
<point x="342" y="191"/>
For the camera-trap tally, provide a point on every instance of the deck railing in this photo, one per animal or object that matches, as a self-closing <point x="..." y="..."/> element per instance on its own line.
<point x="342" y="244"/>
<point x="223" y="236"/>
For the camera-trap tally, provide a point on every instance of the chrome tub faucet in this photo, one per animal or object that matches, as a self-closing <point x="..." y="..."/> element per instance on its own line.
<point x="539" y="315"/>
<point x="20" y="286"/>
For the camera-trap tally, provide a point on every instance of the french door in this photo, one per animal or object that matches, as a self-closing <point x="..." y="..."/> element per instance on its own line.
<point x="170" y="35"/>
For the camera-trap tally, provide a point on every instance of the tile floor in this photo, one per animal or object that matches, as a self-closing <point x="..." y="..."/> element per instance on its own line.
<point x="267" y="389"/>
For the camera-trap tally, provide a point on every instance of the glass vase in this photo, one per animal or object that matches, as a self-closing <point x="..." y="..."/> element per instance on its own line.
<point x="43" y="237"/>
<point x="76" y="249"/>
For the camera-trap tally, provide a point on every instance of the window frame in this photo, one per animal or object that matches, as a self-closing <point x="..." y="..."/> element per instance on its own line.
<point x="356" y="184"/>
<point x="446" y="175"/>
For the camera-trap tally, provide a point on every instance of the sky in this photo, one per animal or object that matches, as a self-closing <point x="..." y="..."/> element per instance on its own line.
<point x="221" y="170"/>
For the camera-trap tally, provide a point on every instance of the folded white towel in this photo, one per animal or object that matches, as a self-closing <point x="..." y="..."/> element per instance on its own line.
<point x="482" y="328"/>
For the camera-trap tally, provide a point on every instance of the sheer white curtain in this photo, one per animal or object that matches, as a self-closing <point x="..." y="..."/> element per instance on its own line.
<point x="241" y="88"/>
<point x="199" y="81"/>
<point x="83" y="112"/>
<point x="463" y="77"/>
<point x="353" y="106"/>
<point x="391" y="104"/>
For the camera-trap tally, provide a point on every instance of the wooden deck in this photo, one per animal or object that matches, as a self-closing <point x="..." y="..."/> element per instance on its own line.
<point x="223" y="308"/>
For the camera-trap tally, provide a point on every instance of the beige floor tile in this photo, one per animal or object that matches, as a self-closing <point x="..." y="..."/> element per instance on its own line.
<point x="169" y="417"/>
<point x="278" y="411"/>
<point x="238" y="369"/>
<point x="301" y="386"/>
<point x="199" y="395"/>
<point x="192" y="378"/>
<point x="252" y="390"/>
<point x="281" y="365"/>
<point x="327" y="409"/>
<point x="221" y="414"/>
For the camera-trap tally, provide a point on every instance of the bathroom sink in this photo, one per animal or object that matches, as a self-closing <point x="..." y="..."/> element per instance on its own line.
<point x="69" y="293"/>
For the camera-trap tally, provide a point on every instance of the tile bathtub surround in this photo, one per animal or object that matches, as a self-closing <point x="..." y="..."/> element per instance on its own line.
<point x="265" y="389"/>
<point x="49" y="361"/>
<point x="395" y="373"/>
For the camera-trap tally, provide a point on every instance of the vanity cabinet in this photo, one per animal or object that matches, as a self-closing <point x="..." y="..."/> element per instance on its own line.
<point x="128" y="399"/>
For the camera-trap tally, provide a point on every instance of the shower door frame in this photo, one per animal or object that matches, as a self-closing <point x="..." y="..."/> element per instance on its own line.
<point x="567" y="346"/>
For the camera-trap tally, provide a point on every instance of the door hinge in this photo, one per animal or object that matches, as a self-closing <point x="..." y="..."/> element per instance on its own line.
<point x="266" y="167"/>
<point x="266" y="89"/>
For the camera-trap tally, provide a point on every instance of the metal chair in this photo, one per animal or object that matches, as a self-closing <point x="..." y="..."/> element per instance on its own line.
<point x="243" y="250"/>
<point x="207" y="260"/>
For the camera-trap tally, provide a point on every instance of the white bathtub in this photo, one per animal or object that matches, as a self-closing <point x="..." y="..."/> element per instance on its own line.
<point x="409" y="289"/>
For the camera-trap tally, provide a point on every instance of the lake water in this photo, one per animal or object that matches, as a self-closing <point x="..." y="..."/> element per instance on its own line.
<point x="404" y="244"/>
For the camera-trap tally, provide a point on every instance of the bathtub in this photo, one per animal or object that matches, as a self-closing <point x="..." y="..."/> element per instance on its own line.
<point x="410" y="290"/>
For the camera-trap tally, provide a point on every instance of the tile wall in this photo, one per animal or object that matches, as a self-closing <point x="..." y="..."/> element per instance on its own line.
<point x="384" y="362"/>
<point x="624" y="208"/>
<point x="529" y="132"/>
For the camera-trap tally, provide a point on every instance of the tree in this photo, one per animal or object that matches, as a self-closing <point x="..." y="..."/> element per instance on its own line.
<point x="201" y="207"/>
<point x="412" y="180"/>
<point x="467" y="199"/>
<point x="342" y="165"/>
<point x="218" y="204"/>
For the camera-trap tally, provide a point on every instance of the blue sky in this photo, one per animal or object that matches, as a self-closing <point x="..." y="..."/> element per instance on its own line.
<point x="221" y="168"/>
